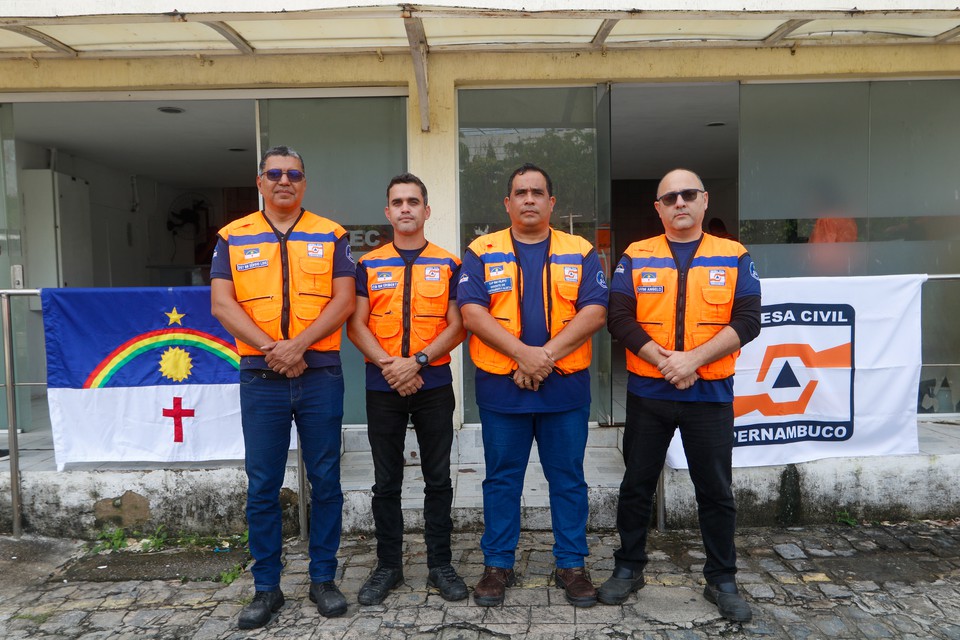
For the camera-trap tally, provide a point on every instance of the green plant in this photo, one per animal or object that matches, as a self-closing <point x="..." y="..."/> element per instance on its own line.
<point x="112" y="539"/>
<point x="38" y="618"/>
<point x="227" y="576"/>
<point x="157" y="540"/>
<point x="845" y="518"/>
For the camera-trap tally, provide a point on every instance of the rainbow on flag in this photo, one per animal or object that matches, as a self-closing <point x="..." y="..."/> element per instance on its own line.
<point x="140" y="374"/>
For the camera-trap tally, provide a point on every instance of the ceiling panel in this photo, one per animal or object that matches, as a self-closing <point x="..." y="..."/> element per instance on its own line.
<point x="137" y="37"/>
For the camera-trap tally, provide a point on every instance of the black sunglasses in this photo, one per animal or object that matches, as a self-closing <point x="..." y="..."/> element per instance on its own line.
<point x="688" y="195"/>
<point x="274" y="175"/>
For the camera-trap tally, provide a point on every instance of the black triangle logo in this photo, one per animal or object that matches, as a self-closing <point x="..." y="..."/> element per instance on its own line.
<point x="787" y="378"/>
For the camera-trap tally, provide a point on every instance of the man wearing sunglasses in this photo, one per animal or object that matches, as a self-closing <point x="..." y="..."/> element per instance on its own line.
<point x="406" y="324"/>
<point x="532" y="296"/>
<point x="683" y="304"/>
<point x="282" y="283"/>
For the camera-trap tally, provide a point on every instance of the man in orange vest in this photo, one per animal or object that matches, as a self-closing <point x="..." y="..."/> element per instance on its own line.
<point x="405" y="325"/>
<point x="282" y="283"/>
<point x="532" y="296"/>
<point x="682" y="303"/>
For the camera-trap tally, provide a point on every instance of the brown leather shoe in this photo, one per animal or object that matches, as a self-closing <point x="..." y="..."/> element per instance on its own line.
<point x="576" y="586"/>
<point x="493" y="583"/>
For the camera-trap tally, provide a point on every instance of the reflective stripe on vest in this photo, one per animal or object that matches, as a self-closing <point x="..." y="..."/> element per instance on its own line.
<point x="708" y="291"/>
<point x="501" y="273"/>
<point x="408" y="303"/>
<point x="283" y="299"/>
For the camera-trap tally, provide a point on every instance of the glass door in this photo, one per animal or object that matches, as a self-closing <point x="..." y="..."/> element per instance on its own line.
<point x="602" y="380"/>
<point x="351" y="148"/>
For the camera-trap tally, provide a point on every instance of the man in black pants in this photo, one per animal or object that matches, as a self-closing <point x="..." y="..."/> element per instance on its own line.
<point x="405" y="326"/>
<point x="682" y="303"/>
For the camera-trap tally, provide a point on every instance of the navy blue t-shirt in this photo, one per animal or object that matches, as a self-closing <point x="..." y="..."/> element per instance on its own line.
<point x="342" y="267"/>
<point x="433" y="376"/>
<point x="557" y="392"/>
<point x="702" y="390"/>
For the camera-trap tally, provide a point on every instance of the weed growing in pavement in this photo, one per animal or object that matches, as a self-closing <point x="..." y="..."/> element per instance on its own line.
<point x="38" y="618"/>
<point x="155" y="541"/>
<point x="845" y="518"/>
<point x="112" y="539"/>
<point x="227" y="576"/>
<point x="115" y="539"/>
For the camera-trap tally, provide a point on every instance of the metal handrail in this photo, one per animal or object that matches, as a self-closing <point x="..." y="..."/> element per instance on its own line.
<point x="13" y="442"/>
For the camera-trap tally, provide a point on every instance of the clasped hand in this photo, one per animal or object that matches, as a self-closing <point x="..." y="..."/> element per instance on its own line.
<point x="679" y="368"/>
<point x="534" y="365"/>
<point x="285" y="357"/>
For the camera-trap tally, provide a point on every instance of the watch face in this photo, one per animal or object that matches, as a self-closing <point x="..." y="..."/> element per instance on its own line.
<point x="422" y="359"/>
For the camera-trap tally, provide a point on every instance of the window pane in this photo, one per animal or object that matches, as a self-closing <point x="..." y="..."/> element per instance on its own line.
<point x="500" y="129"/>
<point x="351" y="147"/>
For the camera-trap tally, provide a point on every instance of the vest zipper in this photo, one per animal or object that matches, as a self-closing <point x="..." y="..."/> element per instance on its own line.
<point x="285" y="270"/>
<point x="407" y="281"/>
<point x="681" y="296"/>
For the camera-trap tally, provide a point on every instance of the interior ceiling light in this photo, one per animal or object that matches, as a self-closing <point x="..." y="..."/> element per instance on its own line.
<point x="716" y="124"/>
<point x="170" y="110"/>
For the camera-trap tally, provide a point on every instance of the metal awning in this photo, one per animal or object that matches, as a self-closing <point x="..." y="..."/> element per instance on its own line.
<point x="38" y="29"/>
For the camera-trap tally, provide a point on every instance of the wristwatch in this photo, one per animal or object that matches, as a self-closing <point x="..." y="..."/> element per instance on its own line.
<point x="421" y="358"/>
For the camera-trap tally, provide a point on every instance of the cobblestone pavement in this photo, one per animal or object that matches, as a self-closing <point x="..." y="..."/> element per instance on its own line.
<point x="879" y="581"/>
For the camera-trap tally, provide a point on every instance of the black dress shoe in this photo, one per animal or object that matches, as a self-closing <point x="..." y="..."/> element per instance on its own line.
<point x="379" y="584"/>
<point x="258" y="613"/>
<point x="728" y="601"/>
<point x="620" y="585"/>
<point x="451" y="586"/>
<point x="330" y="602"/>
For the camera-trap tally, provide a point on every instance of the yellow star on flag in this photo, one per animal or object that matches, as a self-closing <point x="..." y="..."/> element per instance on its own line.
<point x="174" y="317"/>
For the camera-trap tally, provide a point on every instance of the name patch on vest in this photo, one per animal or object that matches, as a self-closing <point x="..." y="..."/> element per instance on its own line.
<point x="718" y="277"/>
<point x="649" y="289"/>
<point x="246" y="266"/>
<point x="431" y="273"/>
<point x="499" y="285"/>
<point x="571" y="274"/>
<point x="314" y="249"/>
<point x="383" y="285"/>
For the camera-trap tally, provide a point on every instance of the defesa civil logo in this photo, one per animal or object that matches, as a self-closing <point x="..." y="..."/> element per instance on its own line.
<point x="795" y="382"/>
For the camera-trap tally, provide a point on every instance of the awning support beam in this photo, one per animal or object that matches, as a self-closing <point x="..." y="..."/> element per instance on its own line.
<point x="418" y="51"/>
<point x="232" y="36"/>
<point x="44" y="39"/>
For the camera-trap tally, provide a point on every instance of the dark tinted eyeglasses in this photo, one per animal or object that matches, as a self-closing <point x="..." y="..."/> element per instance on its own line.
<point x="274" y="175"/>
<point x="688" y="195"/>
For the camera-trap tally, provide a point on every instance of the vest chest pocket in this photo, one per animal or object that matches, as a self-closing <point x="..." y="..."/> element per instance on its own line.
<point x="715" y="304"/>
<point x="313" y="277"/>
<point x="567" y="299"/>
<point x="430" y="299"/>
<point x="386" y="326"/>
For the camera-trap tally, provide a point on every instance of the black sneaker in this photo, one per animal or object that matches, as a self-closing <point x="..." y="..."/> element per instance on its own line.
<point x="258" y="613"/>
<point x="728" y="601"/>
<point x="379" y="584"/>
<point x="330" y="602"/>
<point x="451" y="586"/>
<point x="620" y="585"/>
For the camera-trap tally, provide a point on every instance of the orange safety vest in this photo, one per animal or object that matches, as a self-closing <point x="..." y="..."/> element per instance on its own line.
<point x="702" y="308"/>
<point x="283" y="302"/>
<point x="408" y="303"/>
<point x="504" y="282"/>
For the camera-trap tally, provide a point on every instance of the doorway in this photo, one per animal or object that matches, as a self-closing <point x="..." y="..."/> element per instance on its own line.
<point x="655" y="128"/>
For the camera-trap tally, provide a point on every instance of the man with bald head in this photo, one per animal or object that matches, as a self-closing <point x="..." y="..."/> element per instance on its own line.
<point x="682" y="304"/>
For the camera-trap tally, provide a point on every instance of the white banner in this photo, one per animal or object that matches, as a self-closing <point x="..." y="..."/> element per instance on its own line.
<point x="834" y="372"/>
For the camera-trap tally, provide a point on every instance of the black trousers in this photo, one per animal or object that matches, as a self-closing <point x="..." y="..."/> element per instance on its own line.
<point x="387" y="417"/>
<point x="706" y="429"/>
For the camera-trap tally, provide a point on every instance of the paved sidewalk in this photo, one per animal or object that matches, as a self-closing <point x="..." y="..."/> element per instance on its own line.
<point x="881" y="581"/>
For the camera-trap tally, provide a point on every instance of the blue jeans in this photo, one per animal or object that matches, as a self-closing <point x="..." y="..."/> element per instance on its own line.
<point x="706" y="429"/>
<point x="387" y="416"/>
<point x="315" y="401"/>
<point x="561" y="440"/>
